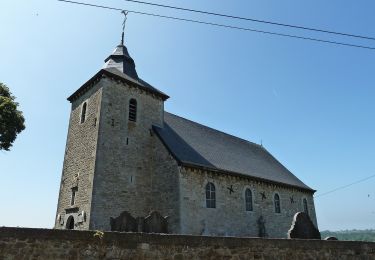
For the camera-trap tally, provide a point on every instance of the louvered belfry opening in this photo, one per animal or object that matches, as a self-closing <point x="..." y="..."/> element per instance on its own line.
<point x="133" y="110"/>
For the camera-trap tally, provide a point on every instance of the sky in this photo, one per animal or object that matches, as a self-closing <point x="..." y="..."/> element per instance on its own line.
<point x="310" y="104"/>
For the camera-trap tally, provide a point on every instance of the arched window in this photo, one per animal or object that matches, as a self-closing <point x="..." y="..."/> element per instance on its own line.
<point x="73" y="196"/>
<point x="70" y="223"/>
<point x="276" y="199"/>
<point x="210" y="195"/>
<point x="248" y="200"/>
<point x="83" y="112"/>
<point x="305" y="208"/>
<point x="133" y="110"/>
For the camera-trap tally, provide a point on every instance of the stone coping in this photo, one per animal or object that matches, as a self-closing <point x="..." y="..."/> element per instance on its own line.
<point x="130" y="240"/>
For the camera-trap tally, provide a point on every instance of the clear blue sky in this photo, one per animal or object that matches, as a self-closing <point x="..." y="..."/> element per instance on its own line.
<point x="312" y="104"/>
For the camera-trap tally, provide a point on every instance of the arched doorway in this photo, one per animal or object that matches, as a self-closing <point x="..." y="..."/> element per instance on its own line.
<point x="70" y="223"/>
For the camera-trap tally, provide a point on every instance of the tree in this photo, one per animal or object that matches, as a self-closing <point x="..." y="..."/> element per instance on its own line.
<point x="12" y="121"/>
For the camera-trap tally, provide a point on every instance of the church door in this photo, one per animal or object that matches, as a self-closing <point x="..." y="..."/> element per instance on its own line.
<point x="70" y="223"/>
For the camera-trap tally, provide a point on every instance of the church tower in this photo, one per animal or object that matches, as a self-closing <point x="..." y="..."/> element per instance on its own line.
<point x="109" y="151"/>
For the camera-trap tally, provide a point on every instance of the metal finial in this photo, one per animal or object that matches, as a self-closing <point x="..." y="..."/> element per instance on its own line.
<point x="123" y="25"/>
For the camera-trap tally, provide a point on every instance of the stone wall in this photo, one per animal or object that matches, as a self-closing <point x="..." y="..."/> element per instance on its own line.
<point x="79" y="160"/>
<point x="25" y="243"/>
<point x="165" y="185"/>
<point x="230" y="218"/>
<point x="124" y="173"/>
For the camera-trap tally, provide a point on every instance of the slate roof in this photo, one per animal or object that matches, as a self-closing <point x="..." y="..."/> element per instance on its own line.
<point x="121" y="60"/>
<point x="121" y="66"/>
<point x="115" y="73"/>
<point x="196" y="145"/>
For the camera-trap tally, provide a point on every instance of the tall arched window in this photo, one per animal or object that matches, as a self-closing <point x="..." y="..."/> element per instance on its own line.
<point x="276" y="199"/>
<point x="83" y="112"/>
<point x="73" y="196"/>
<point x="210" y="195"/>
<point x="133" y="110"/>
<point x="249" y="200"/>
<point x="305" y="208"/>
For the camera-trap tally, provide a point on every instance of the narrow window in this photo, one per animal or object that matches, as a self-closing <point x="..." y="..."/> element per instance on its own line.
<point x="276" y="200"/>
<point x="133" y="110"/>
<point x="249" y="200"/>
<point x="73" y="198"/>
<point x="83" y="112"/>
<point x="210" y="195"/>
<point x="305" y="208"/>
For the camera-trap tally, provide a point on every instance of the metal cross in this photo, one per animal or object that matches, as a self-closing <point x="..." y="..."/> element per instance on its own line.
<point x="123" y="25"/>
<point x="263" y="195"/>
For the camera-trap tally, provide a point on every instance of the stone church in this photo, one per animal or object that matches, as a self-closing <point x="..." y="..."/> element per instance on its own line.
<point x="125" y="153"/>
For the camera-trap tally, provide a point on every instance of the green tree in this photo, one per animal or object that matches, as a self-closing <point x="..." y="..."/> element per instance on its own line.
<point x="12" y="121"/>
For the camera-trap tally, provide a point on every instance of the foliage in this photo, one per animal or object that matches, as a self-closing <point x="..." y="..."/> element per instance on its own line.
<point x="12" y="121"/>
<point x="351" y="235"/>
<point x="99" y="234"/>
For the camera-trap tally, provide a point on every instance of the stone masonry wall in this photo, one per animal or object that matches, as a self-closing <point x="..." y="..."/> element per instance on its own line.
<point x="79" y="161"/>
<point x="165" y="182"/>
<point x="230" y="218"/>
<point x="124" y="173"/>
<point x="25" y="243"/>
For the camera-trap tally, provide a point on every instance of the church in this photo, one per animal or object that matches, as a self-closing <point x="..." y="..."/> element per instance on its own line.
<point x="125" y="153"/>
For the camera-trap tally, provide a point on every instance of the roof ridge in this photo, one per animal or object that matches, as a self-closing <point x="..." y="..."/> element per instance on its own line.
<point x="219" y="131"/>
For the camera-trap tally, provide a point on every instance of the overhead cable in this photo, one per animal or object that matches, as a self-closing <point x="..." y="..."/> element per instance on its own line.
<point x="253" y="20"/>
<point x="345" y="186"/>
<point x="224" y="25"/>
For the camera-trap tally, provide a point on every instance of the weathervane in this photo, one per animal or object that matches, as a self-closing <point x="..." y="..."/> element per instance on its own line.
<point x="123" y="25"/>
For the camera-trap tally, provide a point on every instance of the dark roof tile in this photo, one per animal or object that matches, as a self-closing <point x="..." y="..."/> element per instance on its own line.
<point x="197" y="145"/>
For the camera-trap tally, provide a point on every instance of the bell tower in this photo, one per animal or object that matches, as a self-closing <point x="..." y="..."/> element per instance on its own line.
<point x="109" y="151"/>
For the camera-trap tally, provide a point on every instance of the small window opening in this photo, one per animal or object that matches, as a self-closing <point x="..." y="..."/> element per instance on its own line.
<point x="249" y="200"/>
<point x="127" y="140"/>
<point x="133" y="110"/>
<point x="83" y="112"/>
<point x="210" y="195"/>
<point x="73" y="198"/>
<point x="305" y="208"/>
<point x="276" y="200"/>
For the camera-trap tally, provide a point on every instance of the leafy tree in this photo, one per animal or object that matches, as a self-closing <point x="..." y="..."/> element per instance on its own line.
<point x="12" y="121"/>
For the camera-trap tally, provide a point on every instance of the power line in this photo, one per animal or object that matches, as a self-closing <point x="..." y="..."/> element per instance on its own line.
<point x="345" y="186"/>
<point x="253" y="20"/>
<point x="92" y="5"/>
<point x="224" y="25"/>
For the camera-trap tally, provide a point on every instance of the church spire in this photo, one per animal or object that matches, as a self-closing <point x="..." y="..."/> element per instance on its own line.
<point x="120" y="58"/>
<point x="123" y="25"/>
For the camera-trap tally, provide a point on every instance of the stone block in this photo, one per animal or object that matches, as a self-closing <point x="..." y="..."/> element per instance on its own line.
<point x="303" y="228"/>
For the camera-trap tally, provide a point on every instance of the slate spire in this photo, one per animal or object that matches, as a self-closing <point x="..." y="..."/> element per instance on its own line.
<point x="120" y="58"/>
